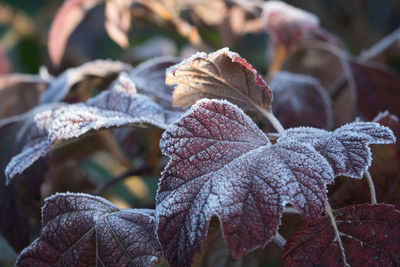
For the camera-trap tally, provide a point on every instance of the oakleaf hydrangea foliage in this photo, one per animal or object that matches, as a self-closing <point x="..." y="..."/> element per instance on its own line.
<point x="221" y="165"/>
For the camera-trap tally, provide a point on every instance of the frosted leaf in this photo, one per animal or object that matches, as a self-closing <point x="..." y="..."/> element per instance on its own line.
<point x="31" y="140"/>
<point x="287" y="24"/>
<point x="370" y="235"/>
<point x="119" y="106"/>
<point x="300" y="100"/>
<point x="223" y="165"/>
<point x="60" y="86"/>
<point x="222" y="74"/>
<point x="149" y="78"/>
<point x="346" y="149"/>
<point x="83" y="230"/>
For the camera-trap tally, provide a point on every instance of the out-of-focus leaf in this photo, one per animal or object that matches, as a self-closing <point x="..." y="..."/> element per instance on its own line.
<point x="19" y="93"/>
<point x="287" y="24"/>
<point x="378" y="88"/>
<point x="223" y="165"/>
<point x="5" y="65"/>
<point x="211" y="12"/>
<point x="300" y="100"/>
<point x="66" y="20"/>
<point x="80" y="229"/>
<point x="158" y="46"/>
<point x="346" y="149"/>
<point x="370" y="235"/>
<point x="7" y="254"/>
<point x="60" y="86"/>
<point x="118" y="20"/>
<point x="222" y="74"/>
<point x="15" y="198"/>
<point x="385" y="171"/>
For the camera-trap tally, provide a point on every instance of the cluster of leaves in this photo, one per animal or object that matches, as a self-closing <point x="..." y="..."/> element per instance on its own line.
<point x="226" y="164"/>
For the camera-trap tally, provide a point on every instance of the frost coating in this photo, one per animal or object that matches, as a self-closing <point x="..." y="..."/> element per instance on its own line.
<point x="119" y="106"/>
<point x="31" y="141"/>
<point x="223" y="165"/>
<point x="221" y="74"/>
<point x="60" y="86"/>
<point x="346" y="149"/>
<point x="80" y="229"/>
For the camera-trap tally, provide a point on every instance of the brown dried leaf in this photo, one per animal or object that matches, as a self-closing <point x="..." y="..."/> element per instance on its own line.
<point x="222" y="74"/>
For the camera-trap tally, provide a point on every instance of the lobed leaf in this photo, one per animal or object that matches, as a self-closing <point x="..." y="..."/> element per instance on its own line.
<point x="60" y="86"/>
<point x="300" y="100"/>
<point x="370" y="235"/>
<point x="80" y="229"/>
<point x="287" y="24"/>
<point x="223" y="165"/>
<point x="346" y="149"/>
<point x="221" y="74"/>
<point x="66" y="20"/>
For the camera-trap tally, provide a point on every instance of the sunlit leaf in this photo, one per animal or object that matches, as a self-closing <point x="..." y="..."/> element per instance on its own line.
<point x="223" y="165"/>
<point x="222" y="74"/>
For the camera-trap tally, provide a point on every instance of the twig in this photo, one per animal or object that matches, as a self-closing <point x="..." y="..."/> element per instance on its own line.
<point x="329" y="212"/>
<point x="380" y="46"/>
<point x="111" y="145"/>
<point x="273" y="120"/>
<point x="279" y="240"/>
<point x="137" y="171"/>
<point x="371" y="187"/>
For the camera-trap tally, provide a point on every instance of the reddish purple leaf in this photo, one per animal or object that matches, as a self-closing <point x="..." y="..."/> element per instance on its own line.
<point x="377" y="88"/>
<point x="222" y="74"/>
<point x="346" y="149"/>
<point x="223" y="165"/>
<point x="81" y="230"/>
<point x="300" y="100"/>
<point x="60" y="86"/>
<point x="66" y="20"/>
<point x="370" y="236"/>
<point x="287" y="24"/>
<point x="385" y="172"/>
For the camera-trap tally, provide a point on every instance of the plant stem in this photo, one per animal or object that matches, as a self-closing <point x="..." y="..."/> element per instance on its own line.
<point x="111" y="145"/>
<point x="279" y="240"/>
<point x="273" y="120"/>
<point x="380" y="46"/>
<point x="137" y="171"/>
<point x="371" y="187"/>
<point x="329" y="212"/>
<point x="279" y="57"/>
